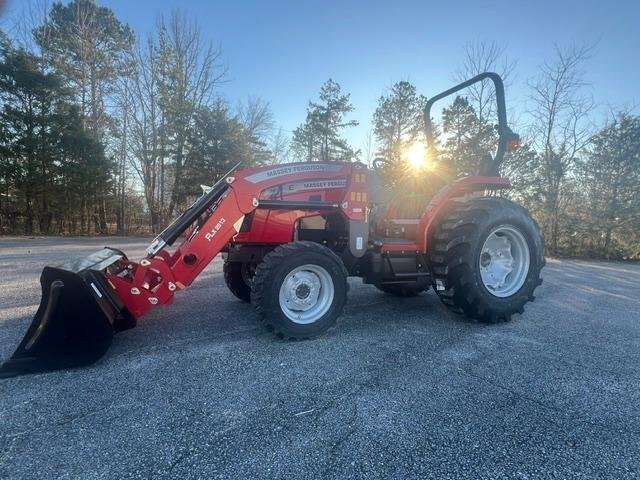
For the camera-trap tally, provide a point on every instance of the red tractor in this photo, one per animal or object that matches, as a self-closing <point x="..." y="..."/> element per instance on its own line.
<point x="291" y="236"/>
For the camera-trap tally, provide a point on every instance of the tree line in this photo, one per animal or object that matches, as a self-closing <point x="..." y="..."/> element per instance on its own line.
<point x="103" y="131"/>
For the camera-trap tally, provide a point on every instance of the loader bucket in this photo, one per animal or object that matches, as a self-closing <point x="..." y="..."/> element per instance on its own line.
<point x="75" y="322"/>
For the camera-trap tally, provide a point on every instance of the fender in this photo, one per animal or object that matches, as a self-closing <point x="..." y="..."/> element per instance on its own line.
<point x="458" y="188"/>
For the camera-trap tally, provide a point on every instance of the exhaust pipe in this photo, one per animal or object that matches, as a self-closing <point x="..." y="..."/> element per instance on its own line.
<point x="78" y="314"/>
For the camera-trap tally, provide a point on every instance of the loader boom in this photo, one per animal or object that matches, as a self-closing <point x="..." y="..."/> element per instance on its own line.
<point x="210" y="224"/>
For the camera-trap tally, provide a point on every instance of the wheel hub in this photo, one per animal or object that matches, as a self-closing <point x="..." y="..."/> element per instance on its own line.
<point x="302" y="291"/>
<point x="504" y="261"/>
<point x="306" y="293"/>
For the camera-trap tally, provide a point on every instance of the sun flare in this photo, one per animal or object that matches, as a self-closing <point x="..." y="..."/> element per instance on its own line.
<point x="416" y="155"/>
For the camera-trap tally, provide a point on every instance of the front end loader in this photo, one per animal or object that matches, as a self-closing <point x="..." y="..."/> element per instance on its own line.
<point x="290" y="236"/>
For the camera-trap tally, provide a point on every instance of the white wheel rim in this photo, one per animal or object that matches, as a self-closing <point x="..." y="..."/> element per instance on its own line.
<point x="504" y="261"/>
<point x="306" y="294"/>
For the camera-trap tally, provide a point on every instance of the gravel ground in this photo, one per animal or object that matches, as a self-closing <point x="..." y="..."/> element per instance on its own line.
<point x="400" y="389"/>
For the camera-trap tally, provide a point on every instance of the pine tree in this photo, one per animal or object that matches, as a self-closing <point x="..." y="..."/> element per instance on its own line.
<point x="319" y="137"/>
<point x="28" y="96"/>
<point x="47" y="153"/>
<point x="217" y="142"/>
<point x="610" y="177"/>
<point x="398" y="120"/>
<point x="468" y="139"/>
<point x="86" y="44"/>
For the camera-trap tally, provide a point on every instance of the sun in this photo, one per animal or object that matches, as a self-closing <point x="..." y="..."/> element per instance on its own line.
<point x="416" y="155"/>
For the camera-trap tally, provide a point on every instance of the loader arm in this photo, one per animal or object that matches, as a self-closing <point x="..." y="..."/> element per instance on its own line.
<point x="155" y="279"/>
<point x="211" y="223"/>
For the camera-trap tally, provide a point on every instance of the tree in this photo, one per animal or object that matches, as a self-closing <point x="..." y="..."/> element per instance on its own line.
<point x="217" y="142"/>
<point x="398" y="120"/>
<point x="560" y="128"/>
<point x="47" y="154"/>
<point x="280" y="146"/>
<point x="85" y="44"/>
<point x="189" y="72"/>
<point x="484" y="56"/>
<point x="84" y="170"/>
<point x="521" y="167"/>
<point x="257" y="119"/>
<point x="468" y="139"/>
<point x="305" y="140"/>
<point x="26" y="97"/>
<point x="175" y="73"/>
<point x="147" y="124"/>
<point x="121" y="144"/>
<point x="368" y="149"/>
<point x="610" y="176"/>
<point x="319" y="137"/>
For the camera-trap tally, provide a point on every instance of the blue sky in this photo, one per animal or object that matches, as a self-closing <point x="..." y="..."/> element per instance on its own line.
<point x="284" y="50"/>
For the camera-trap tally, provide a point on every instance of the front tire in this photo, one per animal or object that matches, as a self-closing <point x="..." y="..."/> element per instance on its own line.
<point x="300" y="289"/>
<point x="486" y="256"/>
<point x="237" y="276"/>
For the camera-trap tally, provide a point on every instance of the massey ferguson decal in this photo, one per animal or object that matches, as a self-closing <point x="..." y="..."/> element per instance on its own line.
<point x="295" y="187"/>
<point x="291" y="169"/>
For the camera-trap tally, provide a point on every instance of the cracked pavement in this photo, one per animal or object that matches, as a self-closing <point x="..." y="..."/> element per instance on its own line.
<point x="401" y="388"/>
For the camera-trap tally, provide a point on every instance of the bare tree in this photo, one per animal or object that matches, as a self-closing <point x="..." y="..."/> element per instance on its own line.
<point x="124" y="108"/>
<point x="256" y="116"/>
<point x="368" y="149"/>
<point x="192" y="71"/>
<point x="142" y="98"/>
<point x="175" y="75"/>
<point x="32" y="14"/>
<point x="484" y="56"/>
<point x="561" y="127"/>
<point x="280" y="146"/>
<point x="257" y="119"/>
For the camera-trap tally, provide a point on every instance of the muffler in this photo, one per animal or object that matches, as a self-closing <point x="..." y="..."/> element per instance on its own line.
<point x="77" y="317"/>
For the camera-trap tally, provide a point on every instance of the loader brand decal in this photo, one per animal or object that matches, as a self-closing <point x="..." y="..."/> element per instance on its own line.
<point x="308" y="185"/>
<point x="216" y="228"/>
<point x="291" y="169"/>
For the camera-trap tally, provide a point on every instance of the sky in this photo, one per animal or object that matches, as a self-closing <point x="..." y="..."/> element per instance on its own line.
<point x="283" y="51"/>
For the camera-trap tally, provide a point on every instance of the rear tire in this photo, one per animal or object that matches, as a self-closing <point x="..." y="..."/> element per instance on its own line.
<point x="236" y="280"/>
<point x="486" y="256"/>
<point x="300" y="289"/>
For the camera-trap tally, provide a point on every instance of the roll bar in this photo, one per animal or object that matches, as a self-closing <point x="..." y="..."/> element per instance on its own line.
<point x="506" y="138"/>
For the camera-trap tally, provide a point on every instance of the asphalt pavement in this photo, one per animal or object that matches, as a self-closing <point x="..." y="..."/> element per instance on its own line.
<point x="401" y="388"/>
